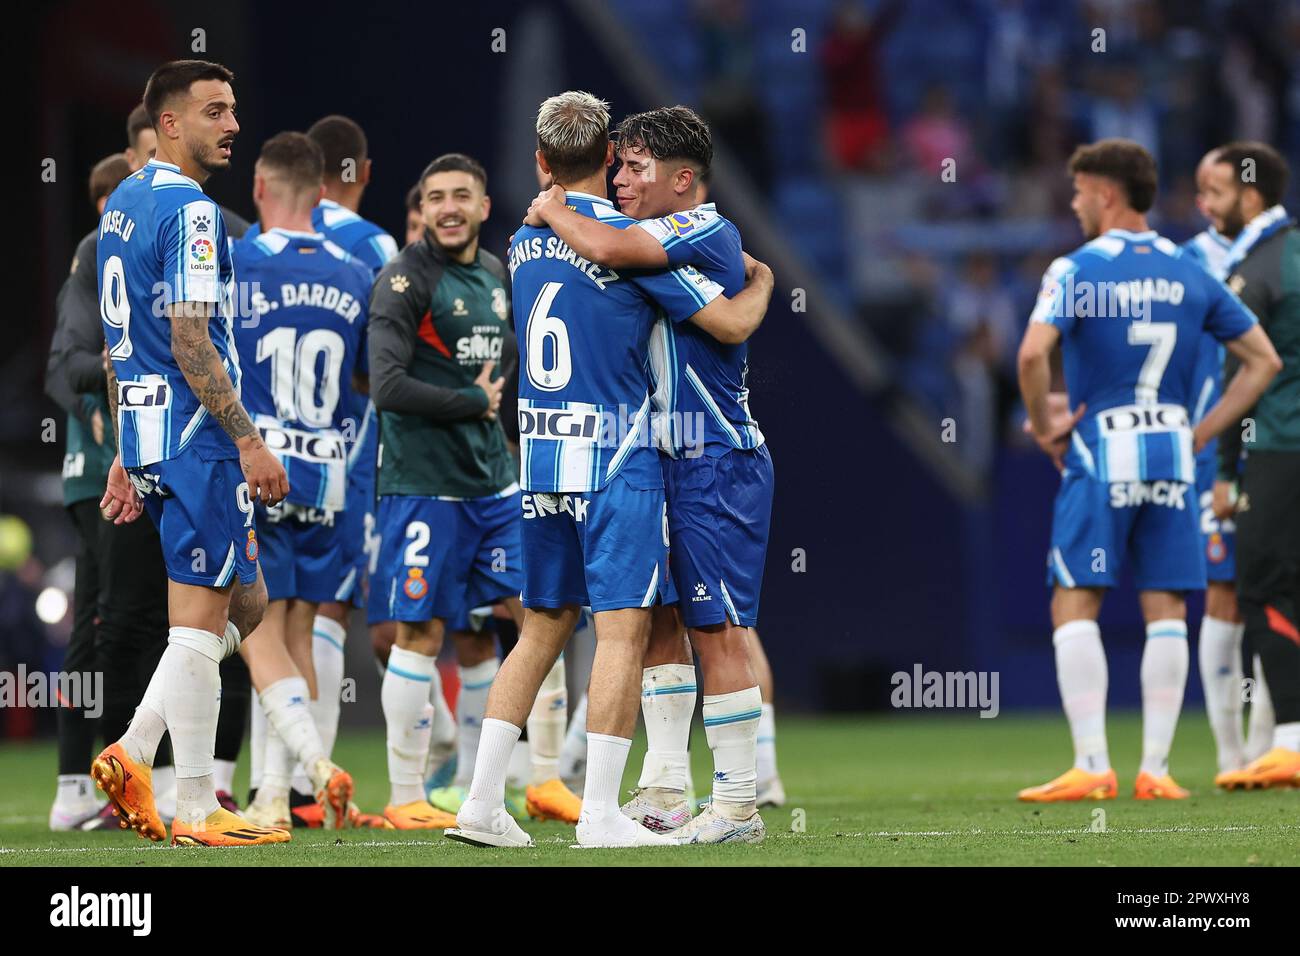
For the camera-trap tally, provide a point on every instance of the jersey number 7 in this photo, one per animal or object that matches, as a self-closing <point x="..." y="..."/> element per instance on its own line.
<point x="1160" y="336"/>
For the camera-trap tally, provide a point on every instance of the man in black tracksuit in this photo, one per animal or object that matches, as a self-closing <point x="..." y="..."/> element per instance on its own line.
<point x="1264" y="271"/>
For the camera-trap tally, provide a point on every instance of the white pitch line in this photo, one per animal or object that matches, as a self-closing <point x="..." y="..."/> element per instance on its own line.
<point x="1077" y="830"/>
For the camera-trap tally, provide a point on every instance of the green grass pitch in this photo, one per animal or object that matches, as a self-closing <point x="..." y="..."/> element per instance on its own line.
<point x="862" y="791"/>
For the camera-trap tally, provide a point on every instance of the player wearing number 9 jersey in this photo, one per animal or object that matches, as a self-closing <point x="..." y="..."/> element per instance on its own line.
<point x="189" y="446"/>
<point x="1129" y="309"/>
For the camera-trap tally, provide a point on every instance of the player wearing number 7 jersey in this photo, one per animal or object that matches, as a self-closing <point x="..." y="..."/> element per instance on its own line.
<point x="1129" y="309"/>
<point x="184" y="439"/>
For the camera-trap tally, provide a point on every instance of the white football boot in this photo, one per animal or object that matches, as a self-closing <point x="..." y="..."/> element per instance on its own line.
<point x="616" y="830"/>
<point x="771" y="793"/>
<point x="478" y="825"/>
<point x="269" y="813"/>
<point x="713" y="827"/>
<point x="657" y="809"/>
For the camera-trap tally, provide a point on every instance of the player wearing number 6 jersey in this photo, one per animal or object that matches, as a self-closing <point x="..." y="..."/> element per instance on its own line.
<point x="595" y="530"/>
<point x="1130" y="310"/>
<point x="184" y="438"/>
<point x="299" y="349"/>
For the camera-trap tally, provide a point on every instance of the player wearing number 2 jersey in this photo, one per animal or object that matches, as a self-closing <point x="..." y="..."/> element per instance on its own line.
<point x="594" y="524"/>
<point x="300" y="348"/>
<point x="1130" y="310"/>
<point x="165" y="283"/>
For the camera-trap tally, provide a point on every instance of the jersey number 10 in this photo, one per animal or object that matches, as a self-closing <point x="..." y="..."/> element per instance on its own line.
<point x="294" y="377"/>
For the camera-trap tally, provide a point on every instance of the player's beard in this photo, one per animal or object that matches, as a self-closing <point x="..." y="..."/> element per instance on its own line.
<point x="209" y="159"/>
<point x="1234" y="220"/>
<point x="474" y="228"/>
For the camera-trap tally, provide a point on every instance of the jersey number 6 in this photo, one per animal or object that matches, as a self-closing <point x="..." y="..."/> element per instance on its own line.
<point x="543" y="328"/>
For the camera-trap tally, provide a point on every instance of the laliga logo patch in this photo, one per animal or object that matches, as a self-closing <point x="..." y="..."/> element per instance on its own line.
<point x="1215" y="549"/>
<point x="415" y="587"/>
<point x="250" y="548"/>
<point x="680" y="223"/>
<point x="201" y="250"/>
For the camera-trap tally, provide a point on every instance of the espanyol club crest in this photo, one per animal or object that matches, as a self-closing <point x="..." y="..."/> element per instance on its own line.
<point x="415" y="587"/>
<point x="1215" y="550"/>
<point x="250" y="548"/>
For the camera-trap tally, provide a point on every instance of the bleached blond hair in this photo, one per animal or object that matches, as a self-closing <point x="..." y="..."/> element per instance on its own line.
<point x="573" y="134"/>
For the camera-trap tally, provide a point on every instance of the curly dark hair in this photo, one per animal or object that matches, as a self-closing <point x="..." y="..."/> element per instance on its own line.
<point x="670" y="132"/>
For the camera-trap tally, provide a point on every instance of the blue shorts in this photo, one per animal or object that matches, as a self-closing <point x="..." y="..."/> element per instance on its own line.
<point x="302" y="554"/>
<point x="1096" y="526"/>
<point x="719" y="513"/>
<point x="1218" y="538"/>
<point x="607" y="549"/>
<point x="441" y="558"/>
<point x="355" y="526"/>
<point x="204" y="517"/>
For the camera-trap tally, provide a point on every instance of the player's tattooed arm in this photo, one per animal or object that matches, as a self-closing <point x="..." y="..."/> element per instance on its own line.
<point x="111" y="376"/>
<point x="201" y="365"/>
<point x="120" y="503"/>
<point x="732" y="321"/>
<point x="630" y="248"/>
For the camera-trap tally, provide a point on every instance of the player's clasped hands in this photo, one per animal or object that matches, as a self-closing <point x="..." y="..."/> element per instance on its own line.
<point x="533" y="217"/>
<point x="492" y="388"/>
<point x="267" y="481"/>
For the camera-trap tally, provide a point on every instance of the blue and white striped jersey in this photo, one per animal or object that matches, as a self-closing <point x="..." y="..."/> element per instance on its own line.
<point x="1133" y="309"/>
<point x="306" y="336"/>
<point x="162" y="241"/>
<point x="704" y="379"/>
<point x="584" y="380"/>
<point x="373" y="247"/>
<point x="1210" y="249"/>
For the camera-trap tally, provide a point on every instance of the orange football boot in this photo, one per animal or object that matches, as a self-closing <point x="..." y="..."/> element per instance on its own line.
<point x="1277" y="768"/>
<point x="418" y="815"/>
<point x="309" y="815"/>
<point x="129" y="786"/>
<point x="1074" y="784"/>
<point x="1151" y="787"/>
<point x="223" y="828"/>
<point x="333" y="793"/>
<point x="366" y="821"/>
<point x="552" y="800"/>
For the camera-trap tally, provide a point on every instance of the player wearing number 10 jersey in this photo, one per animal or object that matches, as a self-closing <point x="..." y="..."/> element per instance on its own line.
<point x="191" y="450"/>
<point x="300" y="349"/>
<point x="1130" y="310"/>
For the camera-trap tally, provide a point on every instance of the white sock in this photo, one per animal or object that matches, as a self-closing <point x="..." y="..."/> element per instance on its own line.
<point x="74" y="790"/>
<point x="546" y="725"/>
<point x="192" y="698"/>
<point x="606" y="760"/>
<point x="256" y="742"/>
<point x="277" y="765"/>
<point x="1259" y="736"/>
<point x="495" y="745"/>
<point x="767" y="746"/>
<point x="667" y="705"/>
<point x="573" y="755"/>
<point x="731" y="726"/>
<point x="328" y="637"/>
<point x="1219" y="656"/>
<point x="475" y="683"/>
<point x="223" y="776"/>
<point x="1081" y="676"/>
<point x="1287" y="735"/>
<point x="164" y="792"/>
<point x="444" y="721"/>
<point x="149" y="723"/>
<point x="405" y="698"/>
<point x="288" y="712"/>
<point x="1164" y="677"/>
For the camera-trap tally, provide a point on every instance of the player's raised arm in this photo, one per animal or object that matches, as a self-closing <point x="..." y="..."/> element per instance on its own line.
<point x="1259" y="364"/>
<point x="593" y="239"/>
<point x="732" y="321"/>
<point x="201" y="365"/>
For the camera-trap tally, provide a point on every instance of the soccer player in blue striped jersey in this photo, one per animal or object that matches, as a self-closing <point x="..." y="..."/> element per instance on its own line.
<point x="595" y="530"/>
<point x="185" y="441"/>
<point x="717" y="476"/>
<point x="301" y="348"/>
<point x="1129" y="310"/>
<point x="348" y="169"/>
